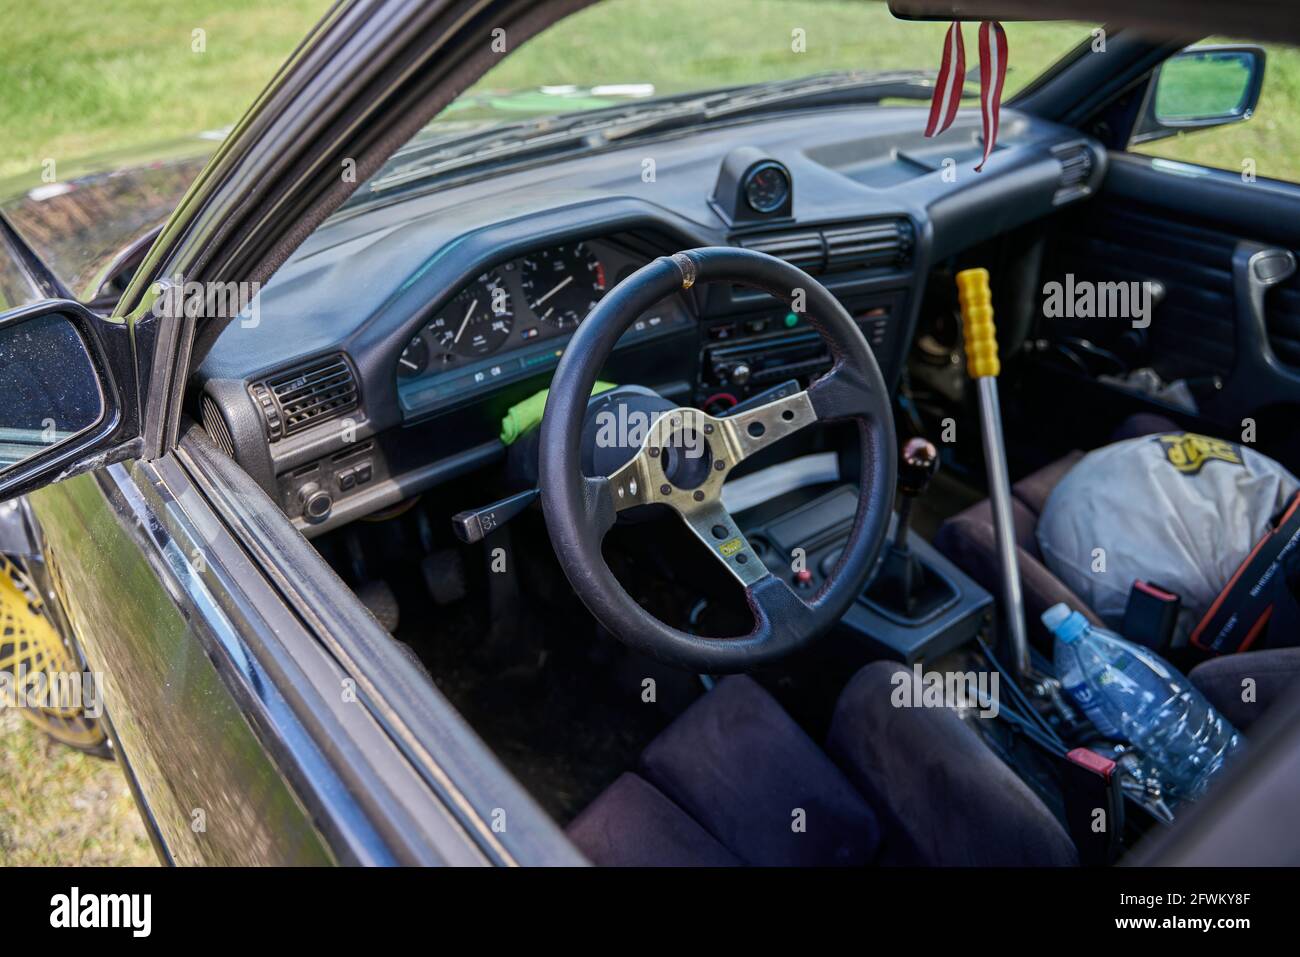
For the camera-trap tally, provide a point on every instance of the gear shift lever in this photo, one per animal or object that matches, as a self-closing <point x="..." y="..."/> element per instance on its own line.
<point x="918" y="464"/>
<point x="902" y="585"/>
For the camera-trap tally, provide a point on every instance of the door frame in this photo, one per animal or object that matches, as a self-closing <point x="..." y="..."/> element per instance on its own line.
<point x="361" y="84"/>
<point x="263" y="604"/>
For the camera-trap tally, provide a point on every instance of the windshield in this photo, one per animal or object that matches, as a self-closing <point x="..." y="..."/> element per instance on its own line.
<point x="623" y="58"/>
<point x="628" y="48"/>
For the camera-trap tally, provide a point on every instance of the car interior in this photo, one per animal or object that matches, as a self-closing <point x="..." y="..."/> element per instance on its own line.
<point x="635" y="669"/>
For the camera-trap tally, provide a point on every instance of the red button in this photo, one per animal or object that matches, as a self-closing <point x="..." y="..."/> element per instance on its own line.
<point x="803" y="578"/>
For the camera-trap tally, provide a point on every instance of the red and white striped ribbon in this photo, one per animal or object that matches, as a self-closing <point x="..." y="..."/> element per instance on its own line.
<point x="948" y="86"/>
<point x="993" y="75"/>
<point x="952" y="79"/>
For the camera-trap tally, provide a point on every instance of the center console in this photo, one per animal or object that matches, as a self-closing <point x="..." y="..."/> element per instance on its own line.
<point x="742" y="355"/>
<point x="917" y="604"/>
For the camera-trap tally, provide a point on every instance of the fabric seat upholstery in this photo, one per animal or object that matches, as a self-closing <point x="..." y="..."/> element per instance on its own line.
<point x="943" y="798"/>
<point x="1274" y="672"/>
<point x="738" y="764"/>
<point x="634" y="825"/>
<point x="969" y="540"/>
<point x="735" y="780"/>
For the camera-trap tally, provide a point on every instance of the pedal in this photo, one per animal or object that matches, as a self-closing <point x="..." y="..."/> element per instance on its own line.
<point x="444" y="576"/>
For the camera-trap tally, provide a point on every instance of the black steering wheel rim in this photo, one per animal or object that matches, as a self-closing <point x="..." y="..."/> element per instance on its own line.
<point x="580" y="509"/>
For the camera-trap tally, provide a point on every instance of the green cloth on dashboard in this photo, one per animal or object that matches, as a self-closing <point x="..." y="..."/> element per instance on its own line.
<point x="522" y="416"/>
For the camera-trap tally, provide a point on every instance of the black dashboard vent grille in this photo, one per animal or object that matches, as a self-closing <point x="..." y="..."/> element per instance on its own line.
<point x="803" y="249"/>
<point x="214" y="423"/>
<point x="310" y="393"/>
<point x="1077" y="162"/>
<point x="885" y="243"/>
<point x="867" y="245"/>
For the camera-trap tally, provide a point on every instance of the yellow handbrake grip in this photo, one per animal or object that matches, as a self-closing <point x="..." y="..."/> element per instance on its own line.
<point x="977" y="323"/>
<point x="983" y="365"/>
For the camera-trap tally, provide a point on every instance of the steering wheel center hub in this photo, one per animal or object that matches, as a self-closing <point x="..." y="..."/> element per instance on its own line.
<point x="686" y="459"/>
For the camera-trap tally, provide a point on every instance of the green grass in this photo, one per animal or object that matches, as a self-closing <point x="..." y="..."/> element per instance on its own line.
<point x="75" y="81"/>
<point x="1271" y="138"/>
<point x="683" y="45"/>
<point x="59" y="807"/>
<point x="1206" y="85"/>
<point x="78" y="78"/>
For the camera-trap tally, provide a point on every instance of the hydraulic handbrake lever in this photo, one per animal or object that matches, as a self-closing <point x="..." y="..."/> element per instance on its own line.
<point x="983" y="366"/>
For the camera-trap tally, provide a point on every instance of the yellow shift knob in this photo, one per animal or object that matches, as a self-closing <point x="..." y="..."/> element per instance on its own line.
<point x="977" y="323"/>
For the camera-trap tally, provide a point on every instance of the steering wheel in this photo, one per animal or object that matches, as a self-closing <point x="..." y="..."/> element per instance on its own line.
<point x="580" y="509"/>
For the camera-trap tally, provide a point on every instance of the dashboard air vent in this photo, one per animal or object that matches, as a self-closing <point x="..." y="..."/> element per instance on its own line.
<point x="866" y="245"/>
<point x="302" y="396"/>
<point x="1077" y="162"/>
<point x="803" y="249"/>
<point x="214" y="423"/>
<point x="885" y="243"/>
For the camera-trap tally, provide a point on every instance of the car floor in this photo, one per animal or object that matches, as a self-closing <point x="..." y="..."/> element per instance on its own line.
<point x="564" y="724"/>
<point x="560" y="702"/>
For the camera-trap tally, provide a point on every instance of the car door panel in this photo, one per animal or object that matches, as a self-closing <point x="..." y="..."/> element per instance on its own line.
<point x="211" y="790"/>
<point x="245" y="747"/>
<point x="262" y="714"/>
<point x="1192" y="230"/>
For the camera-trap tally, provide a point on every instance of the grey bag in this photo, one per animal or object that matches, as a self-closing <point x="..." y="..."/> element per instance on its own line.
<point x="1178" y="509"/>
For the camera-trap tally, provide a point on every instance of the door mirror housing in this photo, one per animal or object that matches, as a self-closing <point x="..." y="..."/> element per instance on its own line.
<point x="65" y="409"/>
<point x="1201" y="87"/>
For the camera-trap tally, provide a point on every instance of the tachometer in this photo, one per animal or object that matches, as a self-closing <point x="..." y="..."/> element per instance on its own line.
<point x="767" y="187"/>
<point x="477" y="321"/>
<point x="563" y="284"/>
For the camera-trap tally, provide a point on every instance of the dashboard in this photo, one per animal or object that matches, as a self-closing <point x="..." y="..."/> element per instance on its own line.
<point x="511" y="321"/>
<point x="393" y="342"/>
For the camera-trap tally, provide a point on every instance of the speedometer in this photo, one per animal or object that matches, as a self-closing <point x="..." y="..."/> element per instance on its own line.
<point x="563" y="284"/>
<point x="477" y="321"/>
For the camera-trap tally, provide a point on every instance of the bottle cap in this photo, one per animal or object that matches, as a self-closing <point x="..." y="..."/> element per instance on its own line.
<point x="1065" y="624"/>
<point x="1053" y="617"/>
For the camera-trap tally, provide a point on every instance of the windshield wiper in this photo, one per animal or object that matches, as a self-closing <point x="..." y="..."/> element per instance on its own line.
<point x="593" y="129"/>
<point x="524" y="137"/>
<point x="823" y="89"/>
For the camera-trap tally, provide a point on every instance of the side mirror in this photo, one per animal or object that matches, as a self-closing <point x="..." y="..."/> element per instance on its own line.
<point x="61" y="410"/>
<point x="1201" y="87"/>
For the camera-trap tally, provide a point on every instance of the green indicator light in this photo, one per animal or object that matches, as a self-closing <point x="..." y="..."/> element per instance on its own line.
<point x="791" y="320"/>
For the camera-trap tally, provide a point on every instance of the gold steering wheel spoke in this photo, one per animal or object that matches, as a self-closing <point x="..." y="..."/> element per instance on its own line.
<point x="685" y="459"/>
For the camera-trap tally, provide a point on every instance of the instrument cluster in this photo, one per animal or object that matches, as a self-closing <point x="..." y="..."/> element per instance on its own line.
<point x="540" y="296"/>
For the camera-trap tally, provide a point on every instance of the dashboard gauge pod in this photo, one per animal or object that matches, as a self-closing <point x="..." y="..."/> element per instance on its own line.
<point x="752" y="187"/>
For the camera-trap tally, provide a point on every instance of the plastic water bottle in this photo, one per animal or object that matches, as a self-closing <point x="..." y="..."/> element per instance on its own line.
<point x="1131" y="693"/>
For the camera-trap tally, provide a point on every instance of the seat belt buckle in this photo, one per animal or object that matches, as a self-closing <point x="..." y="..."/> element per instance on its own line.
<point x="1151" y="615"/>
<point x="1094" y="806"/>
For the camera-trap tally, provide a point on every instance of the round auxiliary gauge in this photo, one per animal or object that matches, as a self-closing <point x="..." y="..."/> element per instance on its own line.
<point x="563" y="284"/>
<point x="477" y="321"/>
<point x="414" y="359"/>
<point x="767" y="187"/>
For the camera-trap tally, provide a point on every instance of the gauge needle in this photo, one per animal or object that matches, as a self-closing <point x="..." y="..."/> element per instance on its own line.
<point x="465" y="322"/>
<point x="409" y="364"/>
<point x="568" y="280"/>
